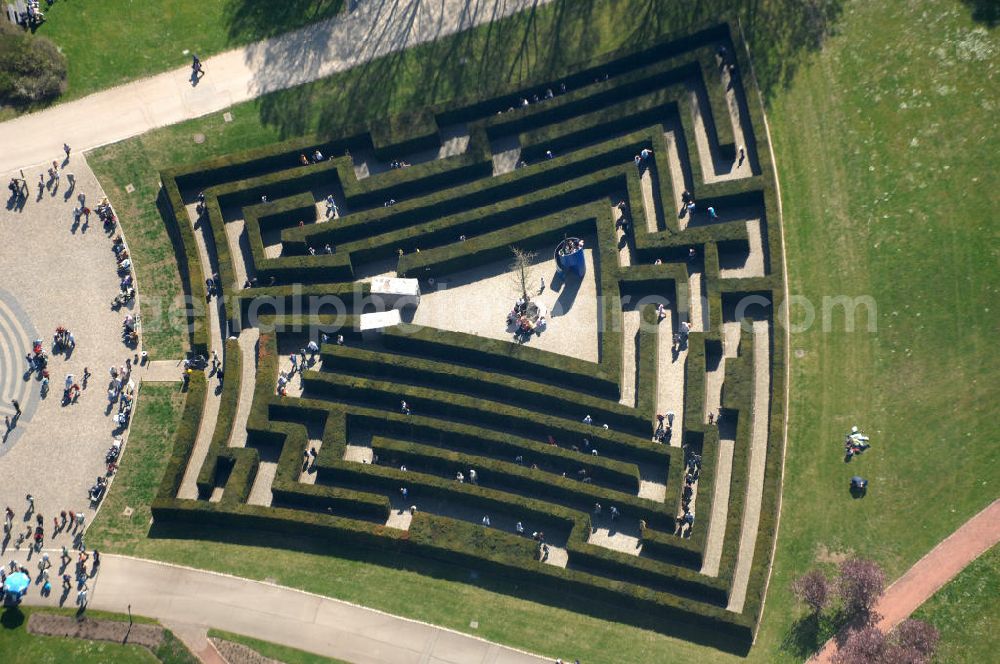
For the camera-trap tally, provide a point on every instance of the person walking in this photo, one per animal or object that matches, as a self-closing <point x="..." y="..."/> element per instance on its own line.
<point x="17" y="408"/>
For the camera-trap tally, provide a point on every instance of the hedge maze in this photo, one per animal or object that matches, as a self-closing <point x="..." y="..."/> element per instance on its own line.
<point x="526" y="168"/>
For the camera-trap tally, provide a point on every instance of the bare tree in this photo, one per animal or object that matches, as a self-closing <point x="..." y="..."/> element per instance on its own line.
<point x="813" y="589"/>
<point x="522" y="270"/>
<point x="866" y="645"/>
<point x="860" y="585"/>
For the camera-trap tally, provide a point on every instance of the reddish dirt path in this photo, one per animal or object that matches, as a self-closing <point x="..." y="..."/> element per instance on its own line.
<point x="926" y="577"/>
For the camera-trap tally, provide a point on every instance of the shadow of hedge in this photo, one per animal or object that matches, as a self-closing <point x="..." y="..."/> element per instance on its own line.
<point x="540" y="43"/>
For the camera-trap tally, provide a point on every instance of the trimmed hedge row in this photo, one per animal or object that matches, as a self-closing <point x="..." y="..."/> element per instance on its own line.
<point x="446" y="230"/>
<point x="459" y="535"/>
<point x="534" y="513"/>
<point x="287" y="213"/>
<point x="667" y="547"/>
<point x="218" y="449"/>
<point x="608" y="472"/>
<point x="184" y="438"/>
<point x="512" y="359"/>
<point x="507" y="477"/>
<point x="188" y="262"/>
<point x="545" y="233"/>
<point x="465" y="197"/>
<point x="736" y="402"/>
<point x="469" y="381"/>
<point x="586" y="592"/>
<point x="455" y="406"/>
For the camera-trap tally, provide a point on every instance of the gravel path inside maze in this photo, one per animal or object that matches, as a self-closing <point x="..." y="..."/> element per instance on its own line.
<point x="57" y="273"/>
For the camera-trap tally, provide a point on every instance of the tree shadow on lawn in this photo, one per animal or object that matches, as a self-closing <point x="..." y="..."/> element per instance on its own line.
<point x="527" y="588"/>
<point x="12" y="617"/>
<point x="808" y="634"/>
<point x="472" y="62"/>
<point x="540" y="43"/>
<point x="251" y="20"/>
<point x="984" y="11"/>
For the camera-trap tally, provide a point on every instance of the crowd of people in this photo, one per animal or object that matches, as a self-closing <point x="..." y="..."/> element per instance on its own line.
<point x="526" y="319"/>
<point x="121" y="389"/>
<point x="69" y="522"/>
<point x="855" y="442"/>
<point x="536" y="98"/>
<point x="685" y="520"/>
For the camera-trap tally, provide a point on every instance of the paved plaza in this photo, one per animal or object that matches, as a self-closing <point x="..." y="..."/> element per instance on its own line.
<point x="57" y="273"/>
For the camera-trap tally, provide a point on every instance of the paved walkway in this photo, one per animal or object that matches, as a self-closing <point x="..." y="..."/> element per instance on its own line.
<point x="974" y="538"/>
<point x="319" y="50"/>
<point x="181" y="596"/>
<point x="57" y="272"/>
<point x="758" y="460"/>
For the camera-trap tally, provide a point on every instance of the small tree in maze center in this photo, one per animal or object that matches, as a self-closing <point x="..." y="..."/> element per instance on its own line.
<point x="522" y="272"/>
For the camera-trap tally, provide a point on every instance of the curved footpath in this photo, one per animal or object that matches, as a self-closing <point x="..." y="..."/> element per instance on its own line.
<point x="371" y="30"/>
<point x="186" y="597"/>
<point x="974" y="538"/>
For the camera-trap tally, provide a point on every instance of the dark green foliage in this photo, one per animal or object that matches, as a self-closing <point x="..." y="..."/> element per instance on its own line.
<point x="32" y="69"/>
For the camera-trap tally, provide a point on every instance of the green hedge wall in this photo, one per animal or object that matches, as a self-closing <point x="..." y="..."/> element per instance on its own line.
<point x="511" y="359"/>
<point x="188" y="262"/>
<point x="184" y="439"/>
<point x="521" y="480"/>
<point x="470" y="381"/>
<point x="208" y="476"/>
<point x="452" y="405"/>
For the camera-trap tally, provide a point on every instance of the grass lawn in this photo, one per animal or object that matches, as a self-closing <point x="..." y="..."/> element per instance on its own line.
<point x="109" y="42"/>
<point x="273" y="650"/>
<point x="17" y="646"/>
<point x="149" y="443"/>
<point x="966" y="612"/>
<point x="886" y="145"/>
<point x="887" y="149"/>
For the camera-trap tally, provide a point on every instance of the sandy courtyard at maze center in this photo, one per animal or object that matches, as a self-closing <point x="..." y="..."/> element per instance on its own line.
<point x="477" y="302"/>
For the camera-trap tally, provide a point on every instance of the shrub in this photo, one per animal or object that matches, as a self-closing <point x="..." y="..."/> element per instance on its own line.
<point x="865" y="645"/>
<point x="914" y="642"/>
<point x="860" y="585"/>
<point x="813" y="590"/>
<point x="32" y="69"/>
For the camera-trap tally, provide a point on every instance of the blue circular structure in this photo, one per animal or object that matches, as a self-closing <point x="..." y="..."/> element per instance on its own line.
<point x="569" y="256"/>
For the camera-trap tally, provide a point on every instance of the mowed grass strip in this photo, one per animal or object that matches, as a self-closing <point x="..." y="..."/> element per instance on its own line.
<point x="965" y="613"/>
<point x="125" y="514"/>
<point x="18" y="646"/>
<point x="273" y="650"/>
